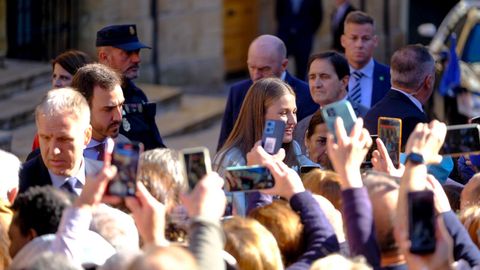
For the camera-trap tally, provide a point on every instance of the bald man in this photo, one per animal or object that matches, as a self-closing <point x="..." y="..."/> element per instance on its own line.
<point x="267" y="57"/>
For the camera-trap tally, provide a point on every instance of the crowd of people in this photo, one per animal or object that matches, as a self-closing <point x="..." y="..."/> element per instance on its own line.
<point x="56" y="214"/>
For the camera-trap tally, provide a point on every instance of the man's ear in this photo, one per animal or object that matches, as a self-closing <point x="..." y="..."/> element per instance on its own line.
<point x="31" y="234"/>
<point x="88" y="135"/>
<point x="344" y="82"/>
<point x="343" y="40"/>
<point x="12" y="194"/>
<point x="102" y="55"/>
<point x="284" y="64"/>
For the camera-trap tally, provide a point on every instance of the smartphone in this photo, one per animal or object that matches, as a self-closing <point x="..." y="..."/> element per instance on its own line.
<point x="461" y="140"/>
<point x="196" y="163"/>
<point x="248" y="178"/>
<point x="390" y="132"/>
<point x="421" y="222"/>
<point x="342" y="109"/>
<point x="125" y="157"/>
<point x="367" y="164"/>
<point x="308" y="168"/>
<point x="272" y="137"/>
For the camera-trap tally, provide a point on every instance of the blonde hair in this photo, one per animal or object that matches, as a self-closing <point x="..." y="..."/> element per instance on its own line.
<point x="326" y="184"/>
<point x="470" y="217"/>
<point x="285" y="225"/>
<point x="64" y="101"/>
<point x="251" y="244"/>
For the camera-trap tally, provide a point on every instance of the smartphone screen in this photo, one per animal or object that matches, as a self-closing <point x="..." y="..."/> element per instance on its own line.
<point x="390" y="132"/>
<point x="197" y="164"/>
<point x="248" y="178"/>
<point x="461" y="140"/>
<point x="272" y="137"/>
<point x="342" y="109"/>
<point x="421" y="222"/>
<point x="367" y="164"/>
<point x="125" y="157"/>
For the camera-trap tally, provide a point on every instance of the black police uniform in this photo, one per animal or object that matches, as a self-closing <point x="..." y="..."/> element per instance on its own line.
<point x="138" y="122"/>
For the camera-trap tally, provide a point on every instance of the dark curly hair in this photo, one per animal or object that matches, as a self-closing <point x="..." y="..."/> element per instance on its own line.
<point x="40" y="209"/>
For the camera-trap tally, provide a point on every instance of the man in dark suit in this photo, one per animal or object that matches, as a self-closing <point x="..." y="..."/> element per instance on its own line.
<point x="63" y="126"/>
<point x="343" y="8"/>
<point x="369" y="80"/>
<point x="266" y="58"/>
<point x="298" y="20"/>
<point x="328" y="75"/>
<point x="413" y="78"/>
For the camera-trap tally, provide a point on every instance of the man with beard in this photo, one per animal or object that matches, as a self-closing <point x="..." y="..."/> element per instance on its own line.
<point x="100" y="86"/>
<point x="118" y="47"/>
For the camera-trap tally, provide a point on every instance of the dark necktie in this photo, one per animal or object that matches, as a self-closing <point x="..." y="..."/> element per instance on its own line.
<point x="69" y="185"/>
<point x="356" y="93"/>
<point x="101" y="151"/>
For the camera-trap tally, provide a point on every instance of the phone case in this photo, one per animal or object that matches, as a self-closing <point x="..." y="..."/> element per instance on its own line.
<point x="421" y="222"/>
<point x="197" y="163"/>
<point x="461" y="140"/>
<point x="272" y="137"/>
<point x="390" y="132"/>
<point x="342" y="109"/>
<point x="248" y="178"/>
<point x="126" y="158"/>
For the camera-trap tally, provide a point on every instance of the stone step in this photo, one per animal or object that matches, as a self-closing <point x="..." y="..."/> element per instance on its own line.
<point x="22" y="139"/>
<point x="167" y="98"/>
<point x="19" y="109"/>
<point x="19" y="76"/>
<point x="196" y="113"/>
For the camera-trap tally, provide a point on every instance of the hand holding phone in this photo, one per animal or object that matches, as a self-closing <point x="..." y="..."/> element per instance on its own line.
<point x="196" y="163"/>
<point x="272" y="137"/>
<point x="342" y="109"/>
<point x="125" y="157"/>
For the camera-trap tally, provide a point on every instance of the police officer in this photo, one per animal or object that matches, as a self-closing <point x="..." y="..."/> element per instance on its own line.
<point x="119" y="48"/>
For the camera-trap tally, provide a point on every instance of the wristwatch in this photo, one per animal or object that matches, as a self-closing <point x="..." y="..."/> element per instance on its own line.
<point x="415" y="158"/>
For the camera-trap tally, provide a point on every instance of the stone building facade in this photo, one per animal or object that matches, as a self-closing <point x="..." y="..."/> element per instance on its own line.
<point x="191" y="34"/>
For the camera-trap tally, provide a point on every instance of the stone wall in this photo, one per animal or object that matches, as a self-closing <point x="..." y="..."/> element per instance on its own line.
<point x="189" y="37"/>
<point x="190" y="34"/>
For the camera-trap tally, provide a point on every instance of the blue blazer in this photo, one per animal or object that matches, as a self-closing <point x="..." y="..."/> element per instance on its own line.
<point x="396" y="105"/>
<point x="238" y="91"/>
<point x="381" y="82"/>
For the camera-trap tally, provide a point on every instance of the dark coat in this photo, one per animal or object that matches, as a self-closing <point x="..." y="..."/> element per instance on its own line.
<point x="396" y="105"/>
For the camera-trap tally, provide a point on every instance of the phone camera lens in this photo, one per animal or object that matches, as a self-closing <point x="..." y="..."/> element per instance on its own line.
<point x="331" y="112"/>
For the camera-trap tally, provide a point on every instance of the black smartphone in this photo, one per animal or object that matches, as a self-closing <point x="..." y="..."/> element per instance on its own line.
<point x="125" y="157"/>
<point x="461" y="140"/>
<point x="390" y="132"/>
<point x="196" y="163"/>
<point x="421" y="222"/>
<point x="272" y="137"/>
<point x="342" y="109"/>
<point x="248" y="178"/>
<point x="308" y="168"/>
<point x="367" y="164"/>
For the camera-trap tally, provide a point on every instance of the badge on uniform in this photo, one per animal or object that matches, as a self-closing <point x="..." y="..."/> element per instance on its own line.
<point x="126" y="125"/>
